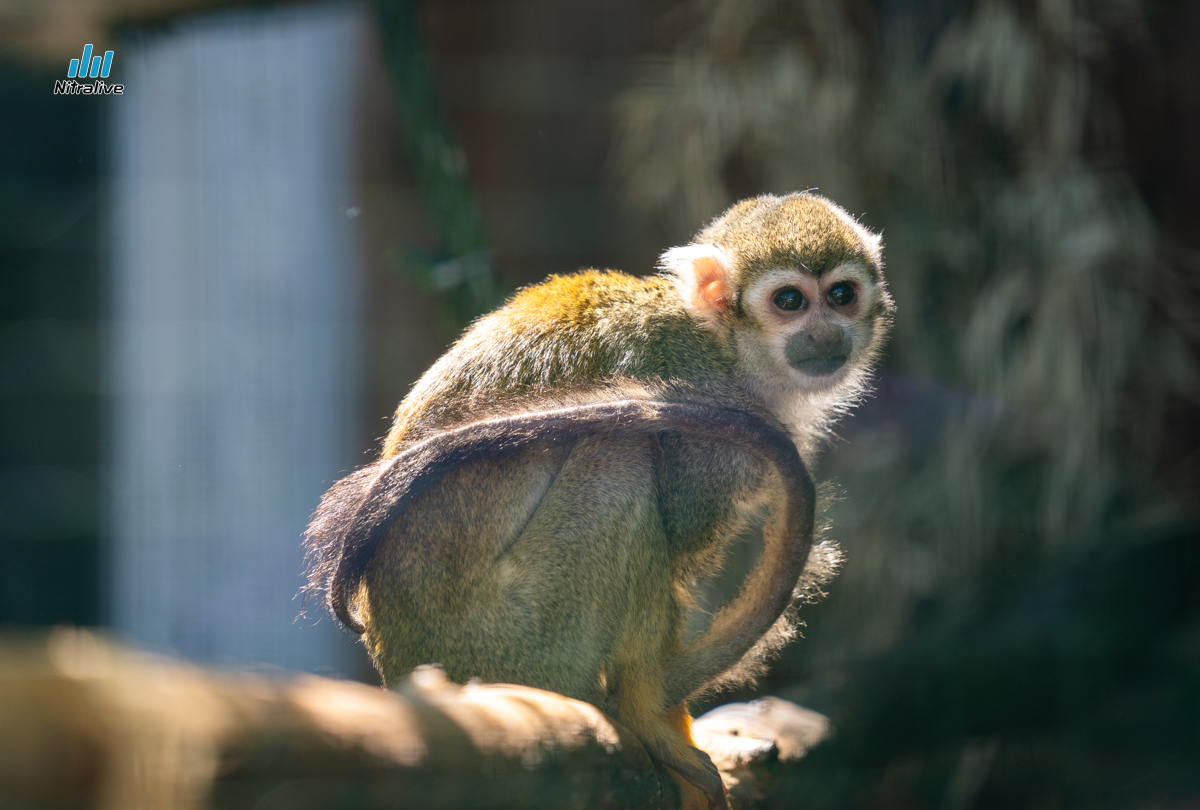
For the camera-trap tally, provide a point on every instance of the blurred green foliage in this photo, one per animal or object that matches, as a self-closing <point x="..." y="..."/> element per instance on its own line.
<point x="459" y="275"/>
<point x="1019" y="415"/>
<point x="1023" y="273"/>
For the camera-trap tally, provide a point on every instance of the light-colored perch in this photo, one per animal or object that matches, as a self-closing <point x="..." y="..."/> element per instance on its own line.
<point x="88" y="724"/>
<point x="743" y="738"/>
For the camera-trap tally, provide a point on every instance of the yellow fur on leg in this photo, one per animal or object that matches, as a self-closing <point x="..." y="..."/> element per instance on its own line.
<point x="690" y="796"/>
<point x="666" y="734"/>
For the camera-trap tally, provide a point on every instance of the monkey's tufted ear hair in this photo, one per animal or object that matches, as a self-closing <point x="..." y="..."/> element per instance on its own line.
<point x="703" y="276"/>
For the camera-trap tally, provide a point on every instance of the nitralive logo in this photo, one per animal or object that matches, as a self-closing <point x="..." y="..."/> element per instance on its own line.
<point x="88" y="67"/>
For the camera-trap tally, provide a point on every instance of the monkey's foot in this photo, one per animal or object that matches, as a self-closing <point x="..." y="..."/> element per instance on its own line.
<point x="692" y="797"/>
<point x="700" y="784"/>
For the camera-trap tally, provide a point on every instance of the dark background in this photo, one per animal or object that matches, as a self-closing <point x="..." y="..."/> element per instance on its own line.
<point x="1018" y="622"/>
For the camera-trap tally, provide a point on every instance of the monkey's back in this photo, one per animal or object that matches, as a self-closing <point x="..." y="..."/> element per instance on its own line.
<point x="449" y="582"/>
<point x="548" y="567"/>
<point x="570" y="333"/>
<point x="554" y="485"/>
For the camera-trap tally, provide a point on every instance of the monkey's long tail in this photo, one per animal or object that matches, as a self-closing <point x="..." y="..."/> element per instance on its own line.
<point x="353" y="517"/>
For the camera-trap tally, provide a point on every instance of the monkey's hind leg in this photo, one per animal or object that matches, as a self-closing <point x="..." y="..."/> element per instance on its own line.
<point x="666" y="735"/>
<point x="699" y="781"/>
<point x="616" y="612"/>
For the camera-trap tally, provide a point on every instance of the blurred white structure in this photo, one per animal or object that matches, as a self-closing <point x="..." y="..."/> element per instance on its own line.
<point x="236" y="309"/>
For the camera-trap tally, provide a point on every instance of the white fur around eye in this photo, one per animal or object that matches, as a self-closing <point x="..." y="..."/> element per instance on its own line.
<point x="760" y="295"/>
<point x="703" y="277"/>
<point x="865" y="288"/>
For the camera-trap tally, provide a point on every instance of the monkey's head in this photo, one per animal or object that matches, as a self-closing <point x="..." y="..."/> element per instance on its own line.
<point x="797" y="283"/>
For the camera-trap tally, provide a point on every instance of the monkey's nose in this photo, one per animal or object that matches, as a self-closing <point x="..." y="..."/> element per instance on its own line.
<point x="817" y="352"/>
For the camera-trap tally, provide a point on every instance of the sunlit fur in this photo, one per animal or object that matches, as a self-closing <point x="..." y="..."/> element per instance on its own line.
<point x="569" y="564"/>
<point x="769" y="242"/>
<point x="807" y="404"/>
<point x="704" y="277"/>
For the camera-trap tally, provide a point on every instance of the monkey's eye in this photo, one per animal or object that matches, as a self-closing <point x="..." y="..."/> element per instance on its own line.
<point x="841" y="294"/>
<point x="789" y="298"/>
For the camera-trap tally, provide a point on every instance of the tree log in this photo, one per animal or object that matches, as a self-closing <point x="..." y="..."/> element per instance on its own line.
<point x="88" y="724"/>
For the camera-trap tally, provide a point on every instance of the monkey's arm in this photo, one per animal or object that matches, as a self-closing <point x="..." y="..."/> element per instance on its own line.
<point x="354" y="516"/>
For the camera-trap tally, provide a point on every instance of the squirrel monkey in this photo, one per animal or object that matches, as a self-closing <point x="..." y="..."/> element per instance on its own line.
<point x="553" y="487"/>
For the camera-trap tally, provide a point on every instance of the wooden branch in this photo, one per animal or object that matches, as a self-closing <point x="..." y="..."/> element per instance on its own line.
<point x="746" y="739"/>
<point x="86" y="723"/>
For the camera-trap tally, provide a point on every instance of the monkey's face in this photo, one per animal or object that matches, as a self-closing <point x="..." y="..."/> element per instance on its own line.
<point x="818" y="329"/>
<point x="798" y="282"/>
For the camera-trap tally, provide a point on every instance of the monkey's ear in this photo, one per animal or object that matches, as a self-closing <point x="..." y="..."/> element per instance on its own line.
<point x="703" y="276"/>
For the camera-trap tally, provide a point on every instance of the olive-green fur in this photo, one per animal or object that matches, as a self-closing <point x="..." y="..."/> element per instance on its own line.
<point x="580" y="330"/>
<point x="536" y="566"/>
<point x="589" y="529"/>
<point x="569" y="603"/>
<point x="568" y="332"/>
<point x="796" y="230"/>
<point x="568" y="565"/>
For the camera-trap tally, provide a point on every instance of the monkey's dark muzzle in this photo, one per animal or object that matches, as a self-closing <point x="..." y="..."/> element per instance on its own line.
<point x="818" y="352"/>
<point x="820" y="366"/>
